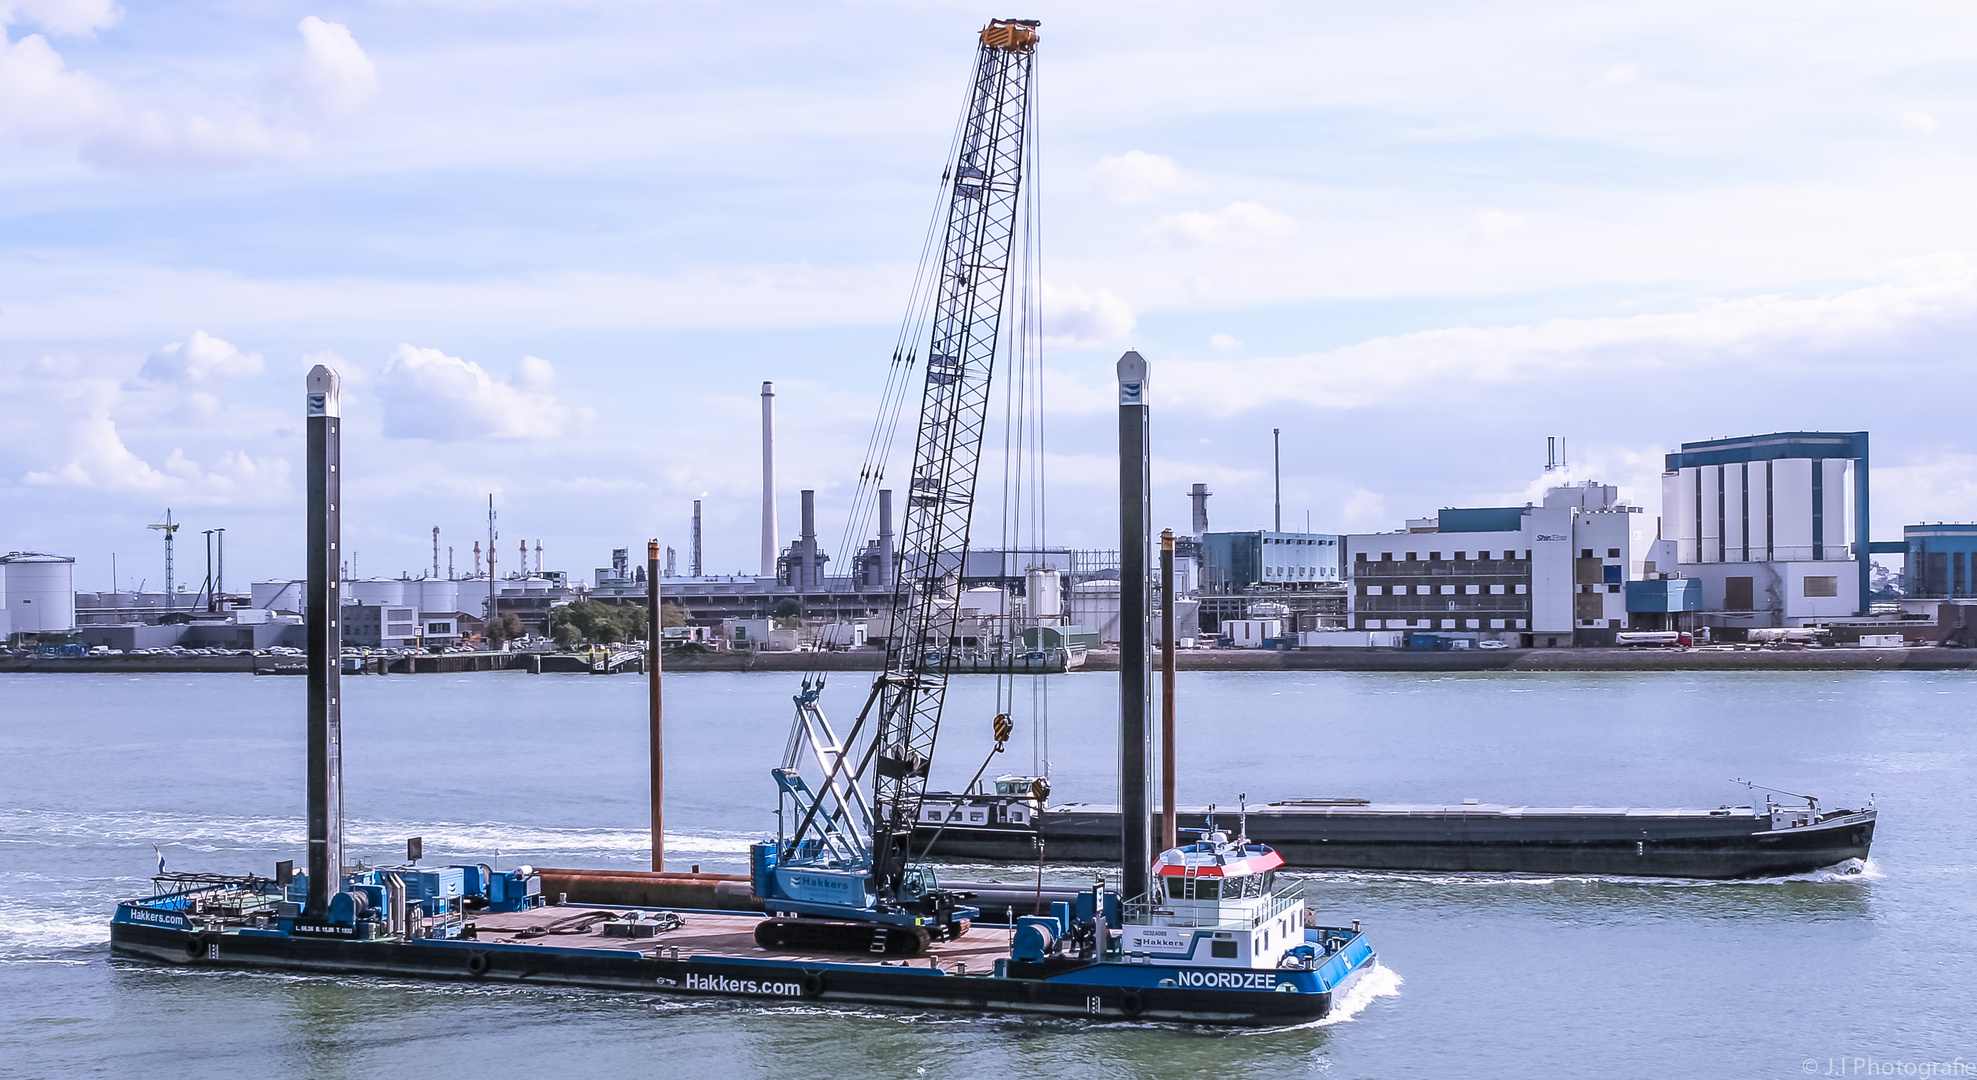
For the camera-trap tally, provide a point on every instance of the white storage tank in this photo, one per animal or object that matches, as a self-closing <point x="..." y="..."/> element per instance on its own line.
<point x="1045" y="591"/>
<point x="40" y="592"/>
<point x="436" y="597"/>
<point x="290" y="595"/>
<point x="387" y="592"/>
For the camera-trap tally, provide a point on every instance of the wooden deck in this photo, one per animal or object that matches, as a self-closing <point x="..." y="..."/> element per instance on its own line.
<point x="580" y="927"/>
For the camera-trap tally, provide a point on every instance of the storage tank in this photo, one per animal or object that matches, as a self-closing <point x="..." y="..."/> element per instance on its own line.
<point x="280" y="595"/>
<point x="40" y="592"/>
<point x="437" y="596"/>
<point x="386" y="592"/>
<point x="1045" y="589"/>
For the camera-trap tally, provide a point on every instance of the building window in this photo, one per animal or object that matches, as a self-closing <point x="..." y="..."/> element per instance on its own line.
<point x="1613" y="588"/>
<point x="1822" y="586"/>
<point x="1386" y="556"/>
<point x="1496" y="590"/>
<point x="1612" y="553"/>
<point x="1471" y="590"/>
<point x="1411" y="557"/>
<point x="1434" y="556"/>
<point x="1585" y="553"/>
<point x="1461" y="555"/>
<point x="1448" y="590"/>
<point x="1738" y="594"/>
<point x="1423" y="590"/>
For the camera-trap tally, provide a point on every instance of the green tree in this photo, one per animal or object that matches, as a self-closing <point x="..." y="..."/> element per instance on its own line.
<point x="506" y="628"/>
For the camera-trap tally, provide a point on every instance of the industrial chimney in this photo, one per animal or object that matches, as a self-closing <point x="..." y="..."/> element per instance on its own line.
<point x="1199" y="493"/>
<point x="768" y="479"/>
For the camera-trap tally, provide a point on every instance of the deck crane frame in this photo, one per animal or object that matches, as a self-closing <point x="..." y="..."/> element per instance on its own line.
<point x="984" y="185"/>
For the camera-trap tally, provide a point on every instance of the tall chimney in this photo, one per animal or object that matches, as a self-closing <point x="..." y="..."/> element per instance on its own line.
<point x="1135" y="743"/>
<point x="807" y="576"/>
<point x="1200" y="493"/>
<point x="886" y="540"/>
<point x="693" y="568"/>
<point x="322" y="621"/>
<point x="768" y="479"/>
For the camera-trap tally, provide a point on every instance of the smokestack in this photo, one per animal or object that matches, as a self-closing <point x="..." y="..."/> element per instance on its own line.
<point x="768" y="479"/>
<point x="435" y="551"/>
<point x="538" y="556"/>
<point x="693" y="569"/>
<point x="477" y="558"/>
<point x="885" y="513"/>
<point x="525" y="558"/>
<point x="807" y="575"/>
<point x="1200" y="493"/>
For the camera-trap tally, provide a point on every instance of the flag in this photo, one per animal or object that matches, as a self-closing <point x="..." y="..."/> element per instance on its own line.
<point x="161" y="858"/>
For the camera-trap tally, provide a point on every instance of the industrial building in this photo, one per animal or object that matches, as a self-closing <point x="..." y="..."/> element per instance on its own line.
<point x="1941" y="561"/>
<point x="1544" y="575"/>
<point x="1775" y="527"/>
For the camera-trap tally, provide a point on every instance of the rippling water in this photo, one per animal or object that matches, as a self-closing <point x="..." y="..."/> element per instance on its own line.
<point x="1484" y="975"/>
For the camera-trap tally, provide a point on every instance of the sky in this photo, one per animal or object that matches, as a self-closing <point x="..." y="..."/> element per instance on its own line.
<point x="553" y="249"/>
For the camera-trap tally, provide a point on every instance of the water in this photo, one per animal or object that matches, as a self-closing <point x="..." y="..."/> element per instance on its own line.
<point x="1485" y="975"/>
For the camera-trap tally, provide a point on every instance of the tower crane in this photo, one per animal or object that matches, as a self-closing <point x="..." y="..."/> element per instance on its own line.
<point x="844" y="873"/>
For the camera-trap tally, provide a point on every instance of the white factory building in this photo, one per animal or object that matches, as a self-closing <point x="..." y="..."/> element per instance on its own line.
<point x="1774" y="526"/>
<point x="1543" y="575"/>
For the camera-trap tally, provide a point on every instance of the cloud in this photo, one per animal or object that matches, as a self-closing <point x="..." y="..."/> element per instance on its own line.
<point x="1917" y="121"/>
<point x="42" y="99"/>
<point x="430" y="395"/>
<point x="198" y="358"/>
<point x="1861" y="331"/>
<point x="1224" y="343"/>
<point x="1137" y="177"/>
<point x="74" y="439"/>
<point x="70" y="17"/>
<point x="1237" y="225"/>
<point x="336" y="75"/>
<point x="1496" y="224"/>
<point x="1074" y="316"/>
<point x="1616" y="76"/>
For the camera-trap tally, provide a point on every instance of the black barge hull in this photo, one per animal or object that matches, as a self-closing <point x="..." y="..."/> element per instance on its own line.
<point x="1652" y="843"/>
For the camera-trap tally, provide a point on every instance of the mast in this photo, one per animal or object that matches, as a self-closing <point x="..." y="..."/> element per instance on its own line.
<point x="325" y="612"/>
<point x="1136" y="816"/>
<point x="985" y="181"/>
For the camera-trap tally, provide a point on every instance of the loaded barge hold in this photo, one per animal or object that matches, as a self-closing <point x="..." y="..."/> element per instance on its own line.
<point x="1727" y="842"/>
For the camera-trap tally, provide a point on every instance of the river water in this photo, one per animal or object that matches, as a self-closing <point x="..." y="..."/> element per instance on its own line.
<point x="1483" y="975"/>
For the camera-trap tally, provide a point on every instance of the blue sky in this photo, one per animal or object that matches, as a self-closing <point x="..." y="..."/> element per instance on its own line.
<point x="555" y="247"/>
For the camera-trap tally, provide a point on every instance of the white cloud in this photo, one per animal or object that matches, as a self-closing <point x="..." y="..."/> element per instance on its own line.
<point x="1224" y="343"/>
<point x="39" y="96"/>
<point x="62" y="16"/>
<point x="1616" y="76"/>
<point x="430" y="395"/>
<point x="1137" y="177"/>
<point x="198" y="358"/>
<point x="1787" y="337"/>
<point x="335" y="75"/>
<point x="1237" y="225"/>
<point x="1496" y="224"/>
<point x="1917" y="121"/>
<point x="1074" y="316"/>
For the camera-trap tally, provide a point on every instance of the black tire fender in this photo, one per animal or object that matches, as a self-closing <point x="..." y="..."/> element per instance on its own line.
<point x="195" y="947"/>
<point x="813" y="984"/>
<point x="477" y="962"/>
<point x="1132" y="1004"/>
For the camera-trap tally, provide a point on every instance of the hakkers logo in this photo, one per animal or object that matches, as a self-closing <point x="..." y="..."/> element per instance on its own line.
<point x="1229" y="980"/>
<point x="721" y="984"/>
<point x="805" y="881"/>
<point x="159" y="917"/>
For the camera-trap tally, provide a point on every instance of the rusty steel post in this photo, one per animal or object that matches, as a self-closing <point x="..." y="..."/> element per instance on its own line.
<point x="1168" y="831"/>
<point x="653" y="645"/>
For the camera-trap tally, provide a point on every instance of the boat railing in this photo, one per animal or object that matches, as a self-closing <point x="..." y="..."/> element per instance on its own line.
<point x="1146" y="912"/>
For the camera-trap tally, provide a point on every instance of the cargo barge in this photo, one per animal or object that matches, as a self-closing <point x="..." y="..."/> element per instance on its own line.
<point x="1011" y="821"/>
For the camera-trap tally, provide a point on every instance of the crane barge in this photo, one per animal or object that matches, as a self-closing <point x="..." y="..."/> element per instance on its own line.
<point x="1211" y="938"/>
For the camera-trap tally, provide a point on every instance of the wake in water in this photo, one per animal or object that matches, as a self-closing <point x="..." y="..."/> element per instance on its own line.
<point x="1373" y="984"/>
